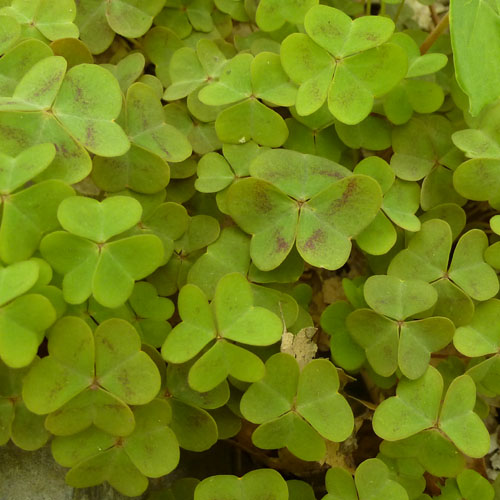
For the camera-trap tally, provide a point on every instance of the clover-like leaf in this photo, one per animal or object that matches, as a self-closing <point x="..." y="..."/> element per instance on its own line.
<point x="474" y="486"/>
<point x="334" y="30"/>
<point x="121" y="367"/>
<point x="469" y="23"/>
<point x="22" y="325"/>
<point x="93" y="406"/>
<point x="378" y="336"/>
<point x="477" y="179"/>
<point x="251" y="120"/>
<point x="27" y="216"/>
<point x="481" y="335"/>
<point x="91" y="20"/>
<point x="178" y="386"/>
<point x="300" y="176"/>
<point x="339" y="485"/>
<point x="66" y="372"/>
<point x="152" y="447"/>
<point x="458" y="420"/>
<point x="272" y="14"/>
<point x="38" y="88"/>
<point x="234" y="83"/>
<point x="468" y="268"/>
<point x="194" y="428"/>
<point x="414" y="408"/>
<point x="113" y="466"/>
<point x="427" y="253"/>
<point x="15" y="172"/>
<point x="421" y="144"/>
<point x="363" y="77"/>
<point x="437" y="454"/>
<point x="196" y="330"/>
<point x="264" y="211"/>
<point x="73" y="50"/>
<point x="269" y="402"/>
<point x="88" y="113"/>
<point x="238" y="319"/>
<point x="99" y="221"/>
<point x="373" y="481"/>
<point x="292" y="432"/>
<point x="274" y="394"/>
<point x="147" y="128"/>
<point x="319" y="402"/>
<point x="222" y="360"/>
<point x="401" y="202"/>
<point x="151" y="450"/>
<point x="128" y="171"/>
<point x="53" y="20"/>
<point x="132" y="18"/>
<point x="71" y="162"/>
<point x="128" y="69"/>
<point x="190" y="69"/>
<point x="310" y="67"/>
<point x="10" y="30"/>
<point x="17" y="279"/>
<point x="108" y="271"/>
<point x="214" y="173"/>
<point x="418" y="339"/>
<point x="230" y="253"/>
<point x="332" y="217"/>
<point x="252" y="486"/>
<point x="345" y="352"/>
<point x="397" y="298"/>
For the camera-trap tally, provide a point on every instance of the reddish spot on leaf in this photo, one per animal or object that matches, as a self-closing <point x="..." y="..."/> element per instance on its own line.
<point x="317" y="237"/>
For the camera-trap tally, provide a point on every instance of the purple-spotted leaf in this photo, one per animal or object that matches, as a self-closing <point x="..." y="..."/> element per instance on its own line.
<point x="39" y="86"/>
<point x="269" y="215"/>
<point x="88" y="113"/>
<point x="332" y="217"/>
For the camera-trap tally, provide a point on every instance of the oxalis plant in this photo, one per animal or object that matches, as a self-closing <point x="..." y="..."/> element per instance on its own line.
<point x="267" y="231"/>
